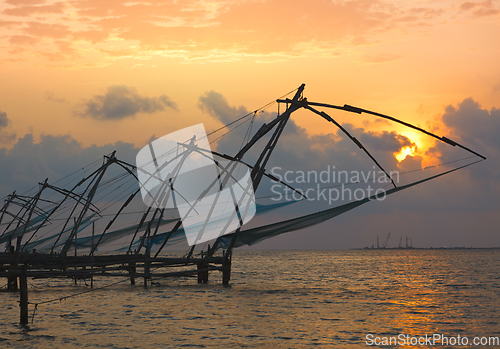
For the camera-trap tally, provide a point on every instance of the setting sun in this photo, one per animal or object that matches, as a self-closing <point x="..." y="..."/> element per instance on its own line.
<point x="404" y="152"/>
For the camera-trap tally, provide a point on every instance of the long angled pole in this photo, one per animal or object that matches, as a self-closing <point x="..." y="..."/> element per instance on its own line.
<point x="259" y="167"/>
<point x="357" y="110"/>
<point x="112" y="221"/>
<point x="92" y="192"/>
<point x="358" y="143"/>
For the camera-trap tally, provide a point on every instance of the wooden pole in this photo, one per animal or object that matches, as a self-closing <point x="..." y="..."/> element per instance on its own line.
<point x="202" y="272"/>
<point x="226" y="268"/>
<point x="12" y="278"/>
<point x="146" y="264"/>
<point x="23" y="281"/>
<point x="132" y="270"/>
<point x="76" y="242"/>
<point x="92" y="260"/>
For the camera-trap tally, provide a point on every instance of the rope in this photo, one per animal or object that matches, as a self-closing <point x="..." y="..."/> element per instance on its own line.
<point x="248" y="131"/>
<point x="254" y="113"/>
<point x="71" y="296"/>
<point x="234" y="128"/>
<point x="367" y="181"/>
<point x="36" y="304"/>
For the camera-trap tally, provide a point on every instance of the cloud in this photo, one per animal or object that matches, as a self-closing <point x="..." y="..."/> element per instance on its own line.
<point x="296" y="150"/>
<point x="496" y="88"/>
<point x="29" y="10"/>
<point x="418" y="211"/>
<point x="23" y="40"/>
<point x="38" y="29"/>
<point x="5" y="136"/>
<point x="473" y="124"/>
<point x="121" y="101"/>
<point x="53" y="157"/>
<point x="4" y="120"/>
<point x="94" y="36"/>
<point x="478" y="129"/>
<point x="24" y="2"/>
<point x="385" y="141"/>
<point x="8" y="24"/>
<point x="433" y="214"/>
<point x="380" y="58"/>
<point x="216" y="105"/>
<point x="480" y="8"/>
<point x="50" y="96"/>
<point x="220" y="30"/>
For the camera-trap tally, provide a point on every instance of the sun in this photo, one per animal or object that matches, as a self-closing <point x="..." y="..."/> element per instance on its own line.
<point x="404" y="152"/>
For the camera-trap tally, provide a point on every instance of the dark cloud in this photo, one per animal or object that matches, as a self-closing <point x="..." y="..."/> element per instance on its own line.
<point x="474" y="124"/>
<point x="216" y="105"/>
<point x="460" y="209"/>
<point x="7" y="137"/>
<point x="385" y="141"/>
<point x="121" y="101"/>
<point x="436" y="213"/>
<point x="298" y="151"/>
<point x="478" y="129"/>
<point x="53" y="157"/>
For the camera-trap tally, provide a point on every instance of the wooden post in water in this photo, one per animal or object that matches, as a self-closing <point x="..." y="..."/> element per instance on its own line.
<point x="12" y="278"/>
<point x="76" y="243"/>
<point x="202" y="274"/>
<point x="15" y="266"/>
<point x="146" y="265"/>
<point x="23" y="304"/>
<point x="92" y="258"/>
<point x="226" y="268"/>
<point x="132" y="270"/>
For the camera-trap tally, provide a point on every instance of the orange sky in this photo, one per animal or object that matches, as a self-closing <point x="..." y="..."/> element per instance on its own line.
<point x="407" y="59"/>
<point x="103" y="71"/>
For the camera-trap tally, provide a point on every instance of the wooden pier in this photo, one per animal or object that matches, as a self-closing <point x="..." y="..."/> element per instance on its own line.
<point x="22" y="266"/>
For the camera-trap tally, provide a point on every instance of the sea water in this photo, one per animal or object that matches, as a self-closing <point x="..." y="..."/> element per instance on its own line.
<point x="277" y="299"/>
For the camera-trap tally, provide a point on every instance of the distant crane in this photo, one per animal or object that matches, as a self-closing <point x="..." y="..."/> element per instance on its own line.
<point x="400" y="240"/>
<point x="387" y="240"/>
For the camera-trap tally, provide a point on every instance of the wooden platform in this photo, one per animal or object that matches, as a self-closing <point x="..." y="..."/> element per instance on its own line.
<point x="131" y="265"/>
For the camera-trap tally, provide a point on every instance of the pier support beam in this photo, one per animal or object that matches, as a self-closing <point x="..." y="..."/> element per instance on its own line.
<point x="203" y="273"/>
<point x="147" y="269"/>
<point x="23" y="304"/>
<point x="12" y="278"/>
<point x="226" y="268"/>
<point x="12" y="281"/>
<point x="132" y="270"/>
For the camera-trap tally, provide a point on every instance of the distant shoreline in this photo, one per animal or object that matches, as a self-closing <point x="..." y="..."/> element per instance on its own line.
<point x="429" y="248"/>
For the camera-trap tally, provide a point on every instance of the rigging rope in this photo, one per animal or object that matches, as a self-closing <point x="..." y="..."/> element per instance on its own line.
<point x="367" y="181"/>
